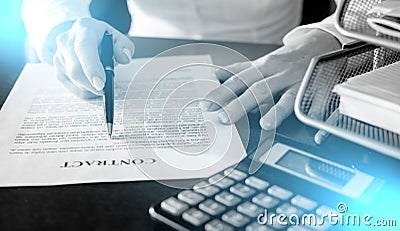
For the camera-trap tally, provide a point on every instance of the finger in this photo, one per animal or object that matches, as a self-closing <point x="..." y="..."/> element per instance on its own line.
<point x="224" y="73"/>
<point x="232" y="87"/>
<point x="217" y="98"/>
<point x="86" y="50"/>
<point x="59" y="72"/>
<point x="67" y="61"/>
<point x="262" y="109"/>
<point x="74" y="70"/>
<point x="258" y="94"/>
<point x="274" y="117"/>
<point x="123" y="48"/>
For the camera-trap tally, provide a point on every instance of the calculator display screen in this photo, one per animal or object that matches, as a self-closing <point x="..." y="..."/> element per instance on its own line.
<point x="316" y="169"/>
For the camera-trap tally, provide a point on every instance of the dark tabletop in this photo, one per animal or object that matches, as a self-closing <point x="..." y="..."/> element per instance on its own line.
<point x="124" y="206"/>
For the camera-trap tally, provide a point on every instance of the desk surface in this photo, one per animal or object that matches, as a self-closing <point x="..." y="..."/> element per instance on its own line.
<point x="124" y="206"/>
<point x="102" y="206"/>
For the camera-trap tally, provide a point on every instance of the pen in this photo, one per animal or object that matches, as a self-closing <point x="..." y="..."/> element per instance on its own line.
<point x="106" y="58"/>
<point x="321" y="135"/>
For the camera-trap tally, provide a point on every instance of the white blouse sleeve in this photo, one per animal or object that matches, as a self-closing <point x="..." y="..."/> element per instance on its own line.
<point x="327" y="25"/>
<point x="42" y="16"/>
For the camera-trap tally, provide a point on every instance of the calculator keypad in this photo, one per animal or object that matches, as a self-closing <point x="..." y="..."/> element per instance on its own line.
<point x="265" y="201"/>
<point x="256" y="183"/>
<point x="174" y="206"/>
<point x="206" y="189"/>
<point x="279" y="192"/>
<point x="236" y="219"/>
<point x="217" y="225"/>
<point x="233" y="199"/>
<point x="242" y="190"/>
<point x="195" y="217"/>
<point x="227" y="198"/>
<point x="235" y="174"/>
<point x="212" y="207"/>
<point x="250" y="209"/>
<point x="304" y="202"/>
<point x="288" y="209"/>
<point x="190" y="197"/>
<point x="221" y="181"/>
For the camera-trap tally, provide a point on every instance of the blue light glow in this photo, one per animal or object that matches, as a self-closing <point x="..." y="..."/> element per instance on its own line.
<point x="11" y="27"/>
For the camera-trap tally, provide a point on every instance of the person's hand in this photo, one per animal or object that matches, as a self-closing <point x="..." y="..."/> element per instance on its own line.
<point x="278" y="74"/>
<point x="76" y="60"/>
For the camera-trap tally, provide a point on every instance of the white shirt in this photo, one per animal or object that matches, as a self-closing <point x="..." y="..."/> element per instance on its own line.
<point x="261" y="21"/>
<point x="257" y="21"/>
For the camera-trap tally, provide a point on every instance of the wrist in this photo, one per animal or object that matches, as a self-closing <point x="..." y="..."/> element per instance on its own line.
<point x="330" y="42"/>
<point x="311" y="42"/>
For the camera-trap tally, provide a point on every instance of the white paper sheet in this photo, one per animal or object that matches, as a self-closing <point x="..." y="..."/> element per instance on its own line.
<point x="51" y="137"/>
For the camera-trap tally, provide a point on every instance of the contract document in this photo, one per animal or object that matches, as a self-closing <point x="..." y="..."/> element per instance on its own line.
<point x="49" y="136"/>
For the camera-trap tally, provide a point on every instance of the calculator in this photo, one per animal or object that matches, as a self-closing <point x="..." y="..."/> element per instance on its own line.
<point x="290" y="184"/>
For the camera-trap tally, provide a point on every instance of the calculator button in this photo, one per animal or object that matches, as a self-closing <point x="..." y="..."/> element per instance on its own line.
<point x="212" y="207"/>
<point x="217" y="225"/>
<point x="242" y="190"/>
<point x="235" y="174"/>
<point x="215" y="178"/>
<point x="325" y="210"/>
<point x="265" y="201"/>
<point x="236" y="219"/>
<point x="256" y="183"/>
<point x="174" y="206"/>
<point x="221" y="181"/>
<point x="279" y="192"/>
<point x="227" y="199"/>
<point x="224" y="183"/>
<point x="206" y="189"/>
<point x="288" y="210"/>
<point x="304" y="202"/>
<point x="195" y="217"/>
<point x="257" y="227"/>
<point x="190" y="197"/>
<point x="250" y="209"/>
